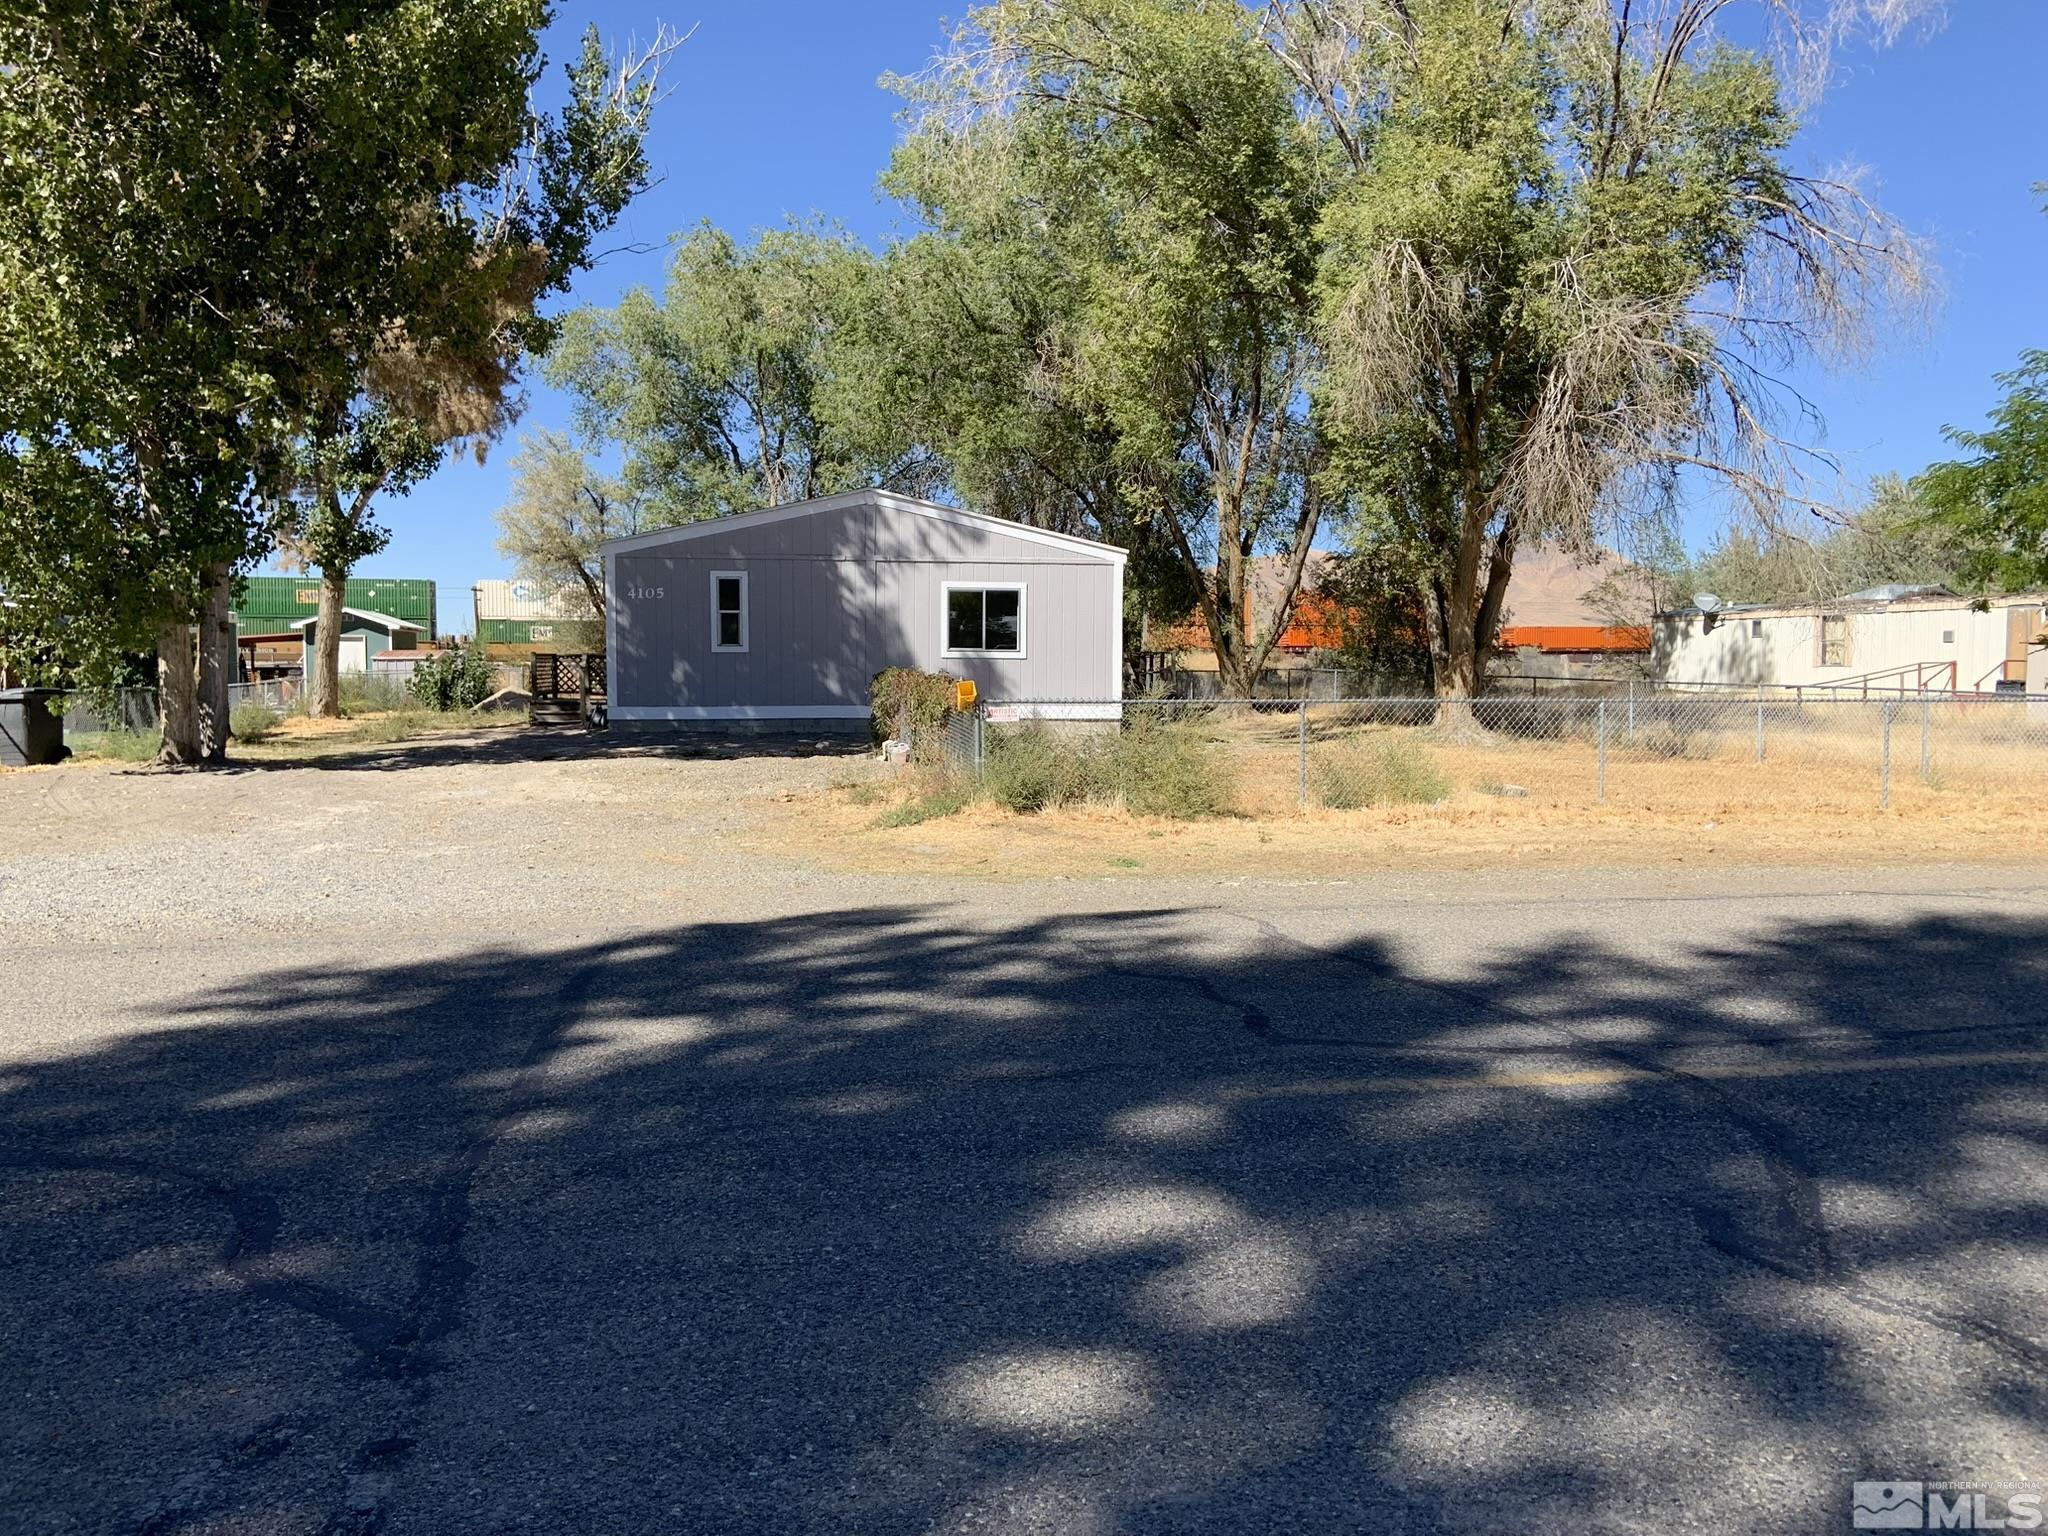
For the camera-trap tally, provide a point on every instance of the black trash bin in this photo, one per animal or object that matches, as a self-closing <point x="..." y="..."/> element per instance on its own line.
<point x="31" y="732"/>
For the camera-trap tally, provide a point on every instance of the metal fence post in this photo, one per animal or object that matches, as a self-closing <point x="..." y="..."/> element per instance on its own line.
<point x="1884" y="788"/>
<point x="1631" y="707"/>
<point x="1301" y="754"/>
<point x="1601" y="711"/>
<point x="980" y="719"/>
<point x="1759" y="722"/>
<point x="1926" y="745"/>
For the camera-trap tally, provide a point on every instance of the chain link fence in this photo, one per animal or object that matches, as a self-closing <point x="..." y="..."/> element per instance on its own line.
<point x="1640" y="750"/>
<point x="1324" y="684"/>
<point x="131" y="709"/>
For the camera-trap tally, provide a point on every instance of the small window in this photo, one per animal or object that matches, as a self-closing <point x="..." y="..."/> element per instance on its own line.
<point x="1834" y="640"/>
<point x="984" y="621"/>
<point x="728" y="610"/>
<point x="542" y="632"/>
<point x="1756" y="629"/>
<point x="1948" y="637"/>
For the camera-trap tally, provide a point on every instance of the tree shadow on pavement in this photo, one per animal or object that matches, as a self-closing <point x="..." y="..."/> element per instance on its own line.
<point x="1141" y="1222"/>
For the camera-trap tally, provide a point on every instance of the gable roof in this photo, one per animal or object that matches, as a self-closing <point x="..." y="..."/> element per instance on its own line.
<point x="845" y="501"/>
<point x="371" y="615"/>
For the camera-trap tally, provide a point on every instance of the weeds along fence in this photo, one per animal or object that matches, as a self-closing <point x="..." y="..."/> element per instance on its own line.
<point x="1335" y="685"/>
<point x="1671" y="753"/>
<point x="130" y="709"/>
<point x="136" y="709"/>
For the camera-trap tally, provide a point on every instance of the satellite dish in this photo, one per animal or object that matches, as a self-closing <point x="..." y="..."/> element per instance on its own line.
<point x="1706" y="602"/>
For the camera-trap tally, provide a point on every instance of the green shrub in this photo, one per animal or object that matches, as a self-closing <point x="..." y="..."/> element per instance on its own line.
<point x="1028" y="768"/>
<point x="1166" y="768"/>
<point x="908" y="705"/>
<point x="363" y="692"/>
<point x="252" y="721"/>
<point x="1154" y="766"/>
<point x="938" y="794"/>
<point x="461" y="678"/>
<point x="1377" y="770"/>
<point x="121" y="745"/>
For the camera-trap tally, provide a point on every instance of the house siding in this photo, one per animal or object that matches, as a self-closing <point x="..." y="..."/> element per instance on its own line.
<point x="1787" y="650"/>
<point x="836" y="596"/>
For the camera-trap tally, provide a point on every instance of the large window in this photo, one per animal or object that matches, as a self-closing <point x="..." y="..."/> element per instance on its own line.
<point x="984" y="620"/>
<point x="728" y="610"/>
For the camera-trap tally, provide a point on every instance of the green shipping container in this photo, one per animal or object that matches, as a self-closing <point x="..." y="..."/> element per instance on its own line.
<point x="271" y="604"/>
<point x="568" y="634"/>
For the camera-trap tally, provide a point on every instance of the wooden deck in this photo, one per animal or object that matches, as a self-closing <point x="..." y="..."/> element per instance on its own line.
<point x="566" y="690"/>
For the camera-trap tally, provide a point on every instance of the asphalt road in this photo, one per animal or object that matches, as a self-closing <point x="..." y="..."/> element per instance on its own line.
<point x="1604" y="1204"/>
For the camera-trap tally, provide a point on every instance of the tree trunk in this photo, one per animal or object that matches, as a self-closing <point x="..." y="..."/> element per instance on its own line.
<point x="216" y="665"/>
<point x="326" y="702"/>
<point x="1460" y="676"/>
<point x="177" y="688"/>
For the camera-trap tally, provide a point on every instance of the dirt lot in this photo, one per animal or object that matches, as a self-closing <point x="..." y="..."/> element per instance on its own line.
<point x="837" y="830"/>
<point x="490" y="829"/>
<point x="1506" y="802"/>
<point x="594" y="816"/>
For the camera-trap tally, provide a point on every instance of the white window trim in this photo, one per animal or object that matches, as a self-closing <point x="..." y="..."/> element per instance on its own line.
<point x="746" y="612"/>
<point x="946" y="591"/>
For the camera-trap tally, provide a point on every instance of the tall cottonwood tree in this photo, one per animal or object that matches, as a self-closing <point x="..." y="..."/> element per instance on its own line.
<point x="1146" y="156"/>
<point x="339" y="469"/>
<point x="716" y="393"/>
<point x="1565" y="250"/>
<point x="216" y="224"/>
<point x="446" y="375"/>
<point x="965" y="351"/>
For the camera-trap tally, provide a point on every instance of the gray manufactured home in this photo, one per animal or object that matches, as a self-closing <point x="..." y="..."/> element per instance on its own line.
<point x="781" y="618"/>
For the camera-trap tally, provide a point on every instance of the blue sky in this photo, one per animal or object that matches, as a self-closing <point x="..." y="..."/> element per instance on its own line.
<point x="776" y="113"/>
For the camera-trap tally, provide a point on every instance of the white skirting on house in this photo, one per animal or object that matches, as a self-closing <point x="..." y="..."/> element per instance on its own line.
<point x="739" y="712"/>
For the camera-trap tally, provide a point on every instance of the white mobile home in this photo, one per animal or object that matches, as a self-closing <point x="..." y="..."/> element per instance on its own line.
<point x="782" y="617"/>
<point x="1888" y="638"/>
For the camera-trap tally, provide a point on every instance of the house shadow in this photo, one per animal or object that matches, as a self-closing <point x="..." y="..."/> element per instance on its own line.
<point x="1142" y="1222"/>
<point x="544" y="744"/>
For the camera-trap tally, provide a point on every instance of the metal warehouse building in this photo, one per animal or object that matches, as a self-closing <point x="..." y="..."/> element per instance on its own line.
<point x="1887" y="637"/>
<point x="785" y="615"/>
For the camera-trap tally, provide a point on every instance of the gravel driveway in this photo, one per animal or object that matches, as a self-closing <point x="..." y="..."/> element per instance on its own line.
<point x="503" y="1138"/>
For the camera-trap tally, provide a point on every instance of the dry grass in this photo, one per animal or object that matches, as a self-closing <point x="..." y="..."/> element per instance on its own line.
<point x="304" y="736"/>
<point x="1702" y="801"/>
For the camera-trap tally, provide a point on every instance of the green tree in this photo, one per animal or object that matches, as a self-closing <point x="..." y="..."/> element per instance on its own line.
<point x="717" y="393"/>
<point x="1139" y="162"/>
<point x="1995" y="501"/>
<point x="1564" y="249"/>
<point x="963" y="356"/>
<point x="560" y="513"/>
<point x="221" y="228"/>
<point x="338" y="472"/>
